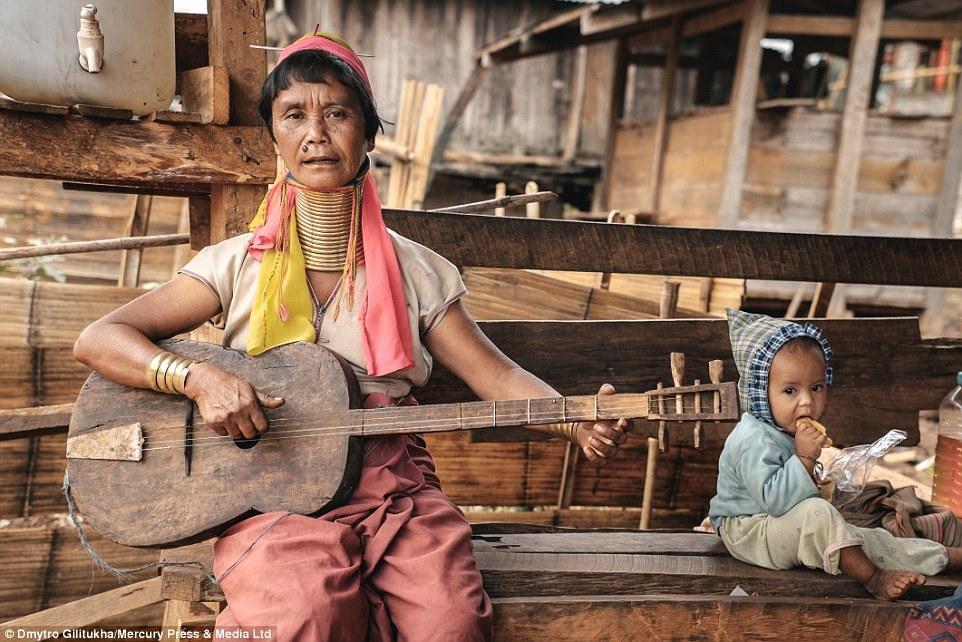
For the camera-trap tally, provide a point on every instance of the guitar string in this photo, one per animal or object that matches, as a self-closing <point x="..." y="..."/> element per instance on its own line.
<point x="388" y="417"/>
<point x="381" y="429"/>
<point x="402" y="413"/>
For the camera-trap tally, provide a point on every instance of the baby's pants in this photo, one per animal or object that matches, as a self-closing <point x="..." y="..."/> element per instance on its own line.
<point x="812" y="534"/>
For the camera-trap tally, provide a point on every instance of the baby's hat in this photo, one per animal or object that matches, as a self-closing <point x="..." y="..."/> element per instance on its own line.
<point x="755" y="340"/>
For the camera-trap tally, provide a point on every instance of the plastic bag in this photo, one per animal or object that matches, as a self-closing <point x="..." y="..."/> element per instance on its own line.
<point x="850" y="470"/>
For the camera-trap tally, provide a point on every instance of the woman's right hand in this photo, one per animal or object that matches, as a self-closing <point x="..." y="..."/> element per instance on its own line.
<point x="228" y="404"/>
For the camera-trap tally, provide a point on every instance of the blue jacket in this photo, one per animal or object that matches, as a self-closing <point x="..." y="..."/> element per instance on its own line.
<point x="758" y="472"/>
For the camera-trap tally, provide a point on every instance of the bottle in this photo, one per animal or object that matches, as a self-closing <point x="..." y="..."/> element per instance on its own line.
<point x="947" y="485"/>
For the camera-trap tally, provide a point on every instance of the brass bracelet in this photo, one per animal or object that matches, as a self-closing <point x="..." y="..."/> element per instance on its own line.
<point x="567" y="431"/>
<point x="167" y="372"/>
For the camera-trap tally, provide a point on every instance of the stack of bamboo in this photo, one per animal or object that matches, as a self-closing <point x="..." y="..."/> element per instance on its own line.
<point x="419" y="116"/>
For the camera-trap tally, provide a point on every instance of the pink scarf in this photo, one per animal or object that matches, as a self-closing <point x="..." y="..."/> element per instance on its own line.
<point x="385" y="329"/>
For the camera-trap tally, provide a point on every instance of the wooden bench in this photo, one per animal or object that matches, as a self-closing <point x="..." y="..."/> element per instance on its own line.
<point x="571" y="585"/>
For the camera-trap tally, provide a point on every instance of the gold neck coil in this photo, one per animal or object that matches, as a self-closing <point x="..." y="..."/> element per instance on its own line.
<point x="324" y="225"/>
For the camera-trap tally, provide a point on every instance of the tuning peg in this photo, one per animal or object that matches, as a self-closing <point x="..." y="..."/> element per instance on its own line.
<point x="678" y="368"/>
<point x="716" y="369"/>
<point x="696" y="434"/>
<point x="663" y="436"/>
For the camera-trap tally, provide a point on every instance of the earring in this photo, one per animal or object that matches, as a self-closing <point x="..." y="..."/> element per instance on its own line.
<point x="304" y="148"/>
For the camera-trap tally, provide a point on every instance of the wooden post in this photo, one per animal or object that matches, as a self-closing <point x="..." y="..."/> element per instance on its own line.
<point x="577" y="105"/>
<point x="617" y="110"/>
<point x="137" y="226"/>
<point x="500" y="191"/>
<point x="848" y="158"/>
<point x="661" y="123"/>
<point x="649" y="488"/>
<point x="744" y="91"/>
<point x="532" y="210"/>
<point x="821" y="300"/>
<point x="232" y="26"/>
<point x="668" y="306"/>
<point x="947" y="203"/>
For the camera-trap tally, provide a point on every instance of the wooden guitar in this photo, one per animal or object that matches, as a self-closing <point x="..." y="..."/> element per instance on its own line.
<point x="145" y="471"/>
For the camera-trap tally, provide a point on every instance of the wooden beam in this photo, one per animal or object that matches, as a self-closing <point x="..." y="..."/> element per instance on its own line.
<point x="744" y="93"/>
<point x="857" y="99"/>
<point x="72" y="148"/>
<point x="104" y="245"/>
<point x="232" y="26"/>
<point x="610" y="18"/>
<point x="32" y="422"/>
<point x="545" y="244"/>
<point x="91" y="610"/>
<point x="844" y="27"/>
<point x="711" y="618"/>
<point x="660" y="142"/>
<point x="714" y="20"/>
<point x="453" y="117"/>
<point x="821" y="301"/>
<point x="655" y="9"/>
<point x="508" y="47"/>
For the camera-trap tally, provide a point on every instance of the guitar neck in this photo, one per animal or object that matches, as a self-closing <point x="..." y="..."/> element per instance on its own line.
<point x="496" y="414"/>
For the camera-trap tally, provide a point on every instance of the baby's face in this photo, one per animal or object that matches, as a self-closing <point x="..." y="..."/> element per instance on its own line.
<point x="796" y="385"/>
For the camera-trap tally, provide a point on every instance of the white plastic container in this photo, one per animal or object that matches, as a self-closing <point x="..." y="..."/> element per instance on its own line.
<point x="947" y="486"/>
<point x="40" y="55"/>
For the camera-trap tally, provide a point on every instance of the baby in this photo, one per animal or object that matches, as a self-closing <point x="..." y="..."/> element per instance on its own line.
<point x="768" y="510"/>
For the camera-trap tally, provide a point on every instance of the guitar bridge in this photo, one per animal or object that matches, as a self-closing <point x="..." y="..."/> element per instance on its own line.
<point x="118" y="443"/>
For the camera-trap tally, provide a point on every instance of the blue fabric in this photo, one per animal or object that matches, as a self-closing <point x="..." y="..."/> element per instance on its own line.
<point x="755" y="340"/>
<point x="758" y="472"/>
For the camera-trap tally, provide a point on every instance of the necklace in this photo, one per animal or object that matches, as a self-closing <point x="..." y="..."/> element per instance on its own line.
<point x="327" y="226"/>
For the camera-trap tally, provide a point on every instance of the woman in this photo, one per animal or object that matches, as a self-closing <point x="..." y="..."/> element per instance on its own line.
<point x="396" y="560"/>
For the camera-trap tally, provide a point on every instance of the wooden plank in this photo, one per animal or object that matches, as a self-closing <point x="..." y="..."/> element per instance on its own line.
<point x="96" y="150"/>
<point x="857" y="98"/>
<point x="655" y="9"/>
<point x="23" y="422"/>
<point x="821" y="301"/>
<point x="453" y="117"/>
<point x="714" y="20"/>
<point x="743" y="97"/>
<point x="91" y="610"/>
<point x="467" y="239"/>
<point x="206" y="91"/>
<point x="616" y="110"/>
<point x="712" y="619"/>
<point x="843" y="27"/>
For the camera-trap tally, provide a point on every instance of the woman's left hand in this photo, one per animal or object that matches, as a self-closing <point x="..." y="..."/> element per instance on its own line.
<point x="599" y="440"/>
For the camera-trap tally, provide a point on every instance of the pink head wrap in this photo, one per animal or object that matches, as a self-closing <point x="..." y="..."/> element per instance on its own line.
<point x="385" y="329"/>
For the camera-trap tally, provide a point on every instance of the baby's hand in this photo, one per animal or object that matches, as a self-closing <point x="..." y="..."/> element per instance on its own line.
<point x="809" y="440"/>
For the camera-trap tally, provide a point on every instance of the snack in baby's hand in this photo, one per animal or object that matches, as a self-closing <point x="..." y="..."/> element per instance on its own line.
<point x="814" y="424"/>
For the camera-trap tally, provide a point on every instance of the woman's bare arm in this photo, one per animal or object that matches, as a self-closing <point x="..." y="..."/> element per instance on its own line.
<point x="121" y="344"/>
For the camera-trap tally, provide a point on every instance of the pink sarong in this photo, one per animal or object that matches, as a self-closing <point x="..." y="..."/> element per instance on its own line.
<point x="395" y="562"/>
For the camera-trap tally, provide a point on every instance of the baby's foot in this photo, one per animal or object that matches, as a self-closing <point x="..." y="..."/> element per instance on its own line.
<point x="890" y="585"/>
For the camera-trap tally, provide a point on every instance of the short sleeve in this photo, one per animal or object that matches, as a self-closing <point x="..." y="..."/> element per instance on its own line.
<point x="434" y="281"/>
<point x="217" y="267"/>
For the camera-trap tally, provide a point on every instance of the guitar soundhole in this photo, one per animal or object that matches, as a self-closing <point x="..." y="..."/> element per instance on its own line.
<point x="245" y="444"/>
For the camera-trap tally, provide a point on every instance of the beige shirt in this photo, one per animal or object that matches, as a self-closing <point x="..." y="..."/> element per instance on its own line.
<point x="431" y="285"/>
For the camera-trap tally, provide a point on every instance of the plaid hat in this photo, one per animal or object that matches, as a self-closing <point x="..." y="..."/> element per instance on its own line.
<point x="755" y="340"/>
